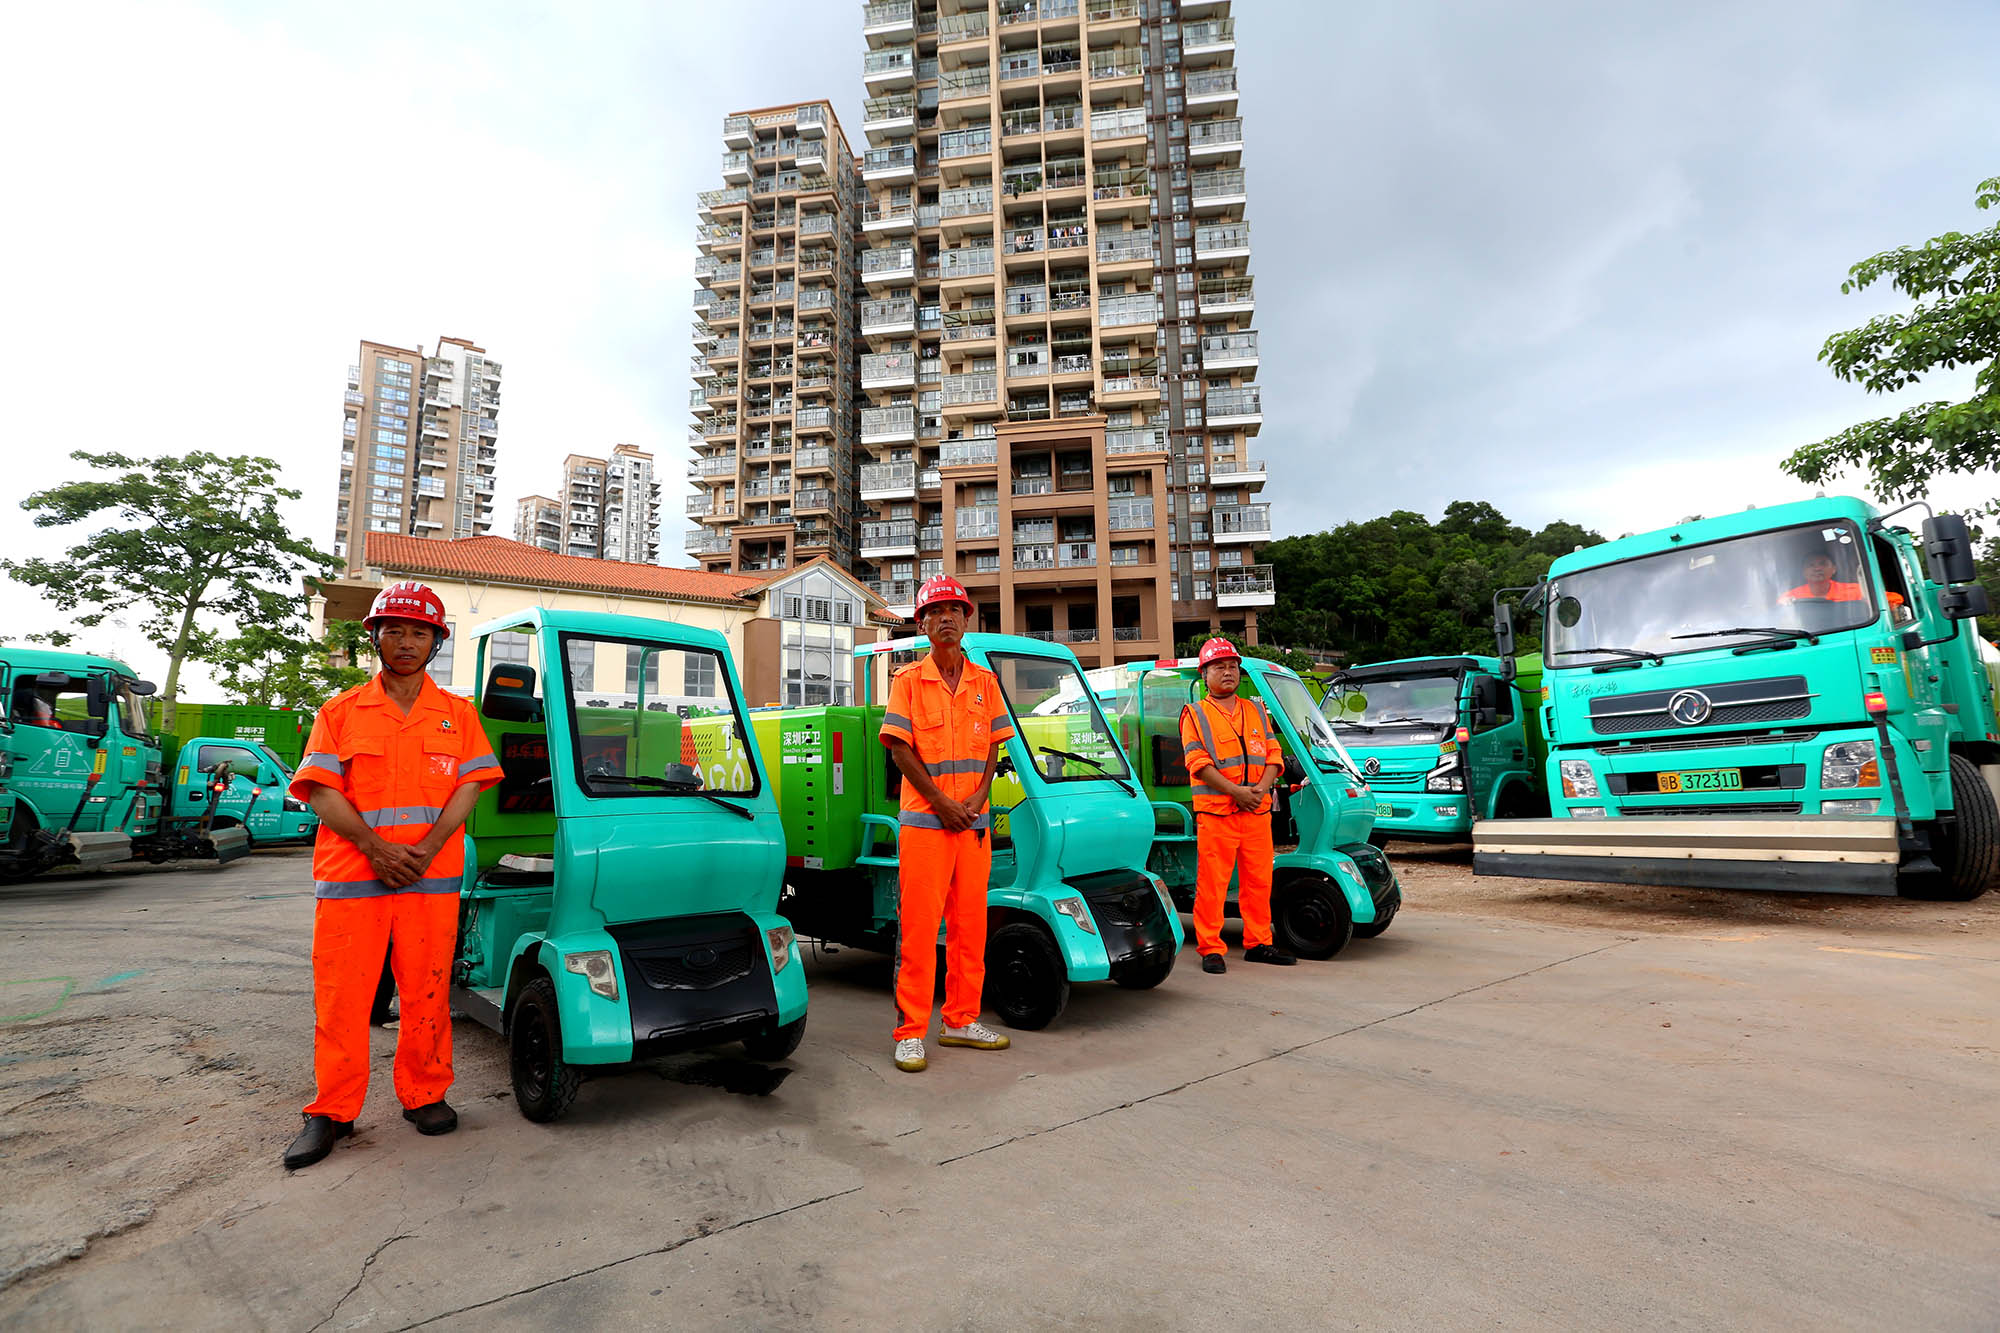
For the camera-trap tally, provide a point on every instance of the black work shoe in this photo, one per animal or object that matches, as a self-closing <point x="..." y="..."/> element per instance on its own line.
<point x="316" y="1140"/>
<point x="1212" y="962"/>
<point x="1268" y="953"/>
<point x="437" y="1118"/>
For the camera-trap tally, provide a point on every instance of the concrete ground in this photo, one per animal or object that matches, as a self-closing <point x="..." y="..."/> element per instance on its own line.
<point x="1630" y="1116"/>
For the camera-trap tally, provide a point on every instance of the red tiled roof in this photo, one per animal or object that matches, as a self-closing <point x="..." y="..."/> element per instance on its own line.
<point x="507" y="561"/>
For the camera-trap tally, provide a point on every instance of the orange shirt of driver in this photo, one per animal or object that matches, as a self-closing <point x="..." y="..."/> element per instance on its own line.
<point x="1836" y="591"/>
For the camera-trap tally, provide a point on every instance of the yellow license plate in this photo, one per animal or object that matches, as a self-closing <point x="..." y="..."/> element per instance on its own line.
<point x="1703" y="779"/>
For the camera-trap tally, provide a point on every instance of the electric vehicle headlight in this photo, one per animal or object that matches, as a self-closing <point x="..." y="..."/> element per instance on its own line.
<point x="1577" y="779"/>
<point x="1078" y="911"/>
<point x="1160" y="887"/>
<point x="1849" y="764"/>
<point x="780" y="940"/>
<point x="596" y="965"/>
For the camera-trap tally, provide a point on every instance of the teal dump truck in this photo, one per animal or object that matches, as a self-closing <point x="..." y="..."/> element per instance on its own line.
<point x="1785" y="698"/>
<point x="1443" y="741"/>
<point x="254" y="795"/>
<point x="1069" y="898"/>
<point x="84" y="772"/>
<point x="1328" y="884"/>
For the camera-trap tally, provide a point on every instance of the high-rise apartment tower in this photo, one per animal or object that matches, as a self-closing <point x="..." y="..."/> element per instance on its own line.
<point x="609" y="509"/>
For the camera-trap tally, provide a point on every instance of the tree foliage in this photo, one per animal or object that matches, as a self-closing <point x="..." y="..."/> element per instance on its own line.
<point x="280" y="666"/>
<point x="1401" y="586"/>
<point x="1285" y="657"/>
<point x="1954" y="280"/>
<point x="189" y="536"/>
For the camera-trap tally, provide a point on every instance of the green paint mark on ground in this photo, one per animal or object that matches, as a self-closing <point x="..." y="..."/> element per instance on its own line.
<point x="113" y="981"/>
<point x="68" y="984"/>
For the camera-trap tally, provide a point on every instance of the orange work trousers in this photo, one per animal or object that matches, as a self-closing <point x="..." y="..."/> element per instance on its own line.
<point x="942" y="878"/>
<point x="419" y="932"/>
<point x="1238" y="844"/>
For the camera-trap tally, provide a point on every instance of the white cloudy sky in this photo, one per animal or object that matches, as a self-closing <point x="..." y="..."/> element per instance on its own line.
<point x="1573" y="258"/>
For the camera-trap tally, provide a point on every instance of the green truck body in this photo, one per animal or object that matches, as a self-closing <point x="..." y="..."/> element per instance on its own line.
<point x="1443" y="741"/>
<point x="1718" y="717"/>
<point x="84" y="777"/>
<point x="1069" y="898"/>
<point x="1328" y="883"/>
<point x="282" y="731"/>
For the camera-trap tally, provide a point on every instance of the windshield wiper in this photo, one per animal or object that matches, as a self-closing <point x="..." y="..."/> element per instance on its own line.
<point x="1086" y="759"/>
<point x="1422" y="721"/>
<point x="677" y="788"/>
<point x="1778" y="631"/>
<point x="1630" y="654"/>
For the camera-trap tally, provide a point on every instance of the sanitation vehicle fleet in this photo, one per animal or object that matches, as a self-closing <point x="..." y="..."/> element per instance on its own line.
<point x="253" y="793"/>
<point x="1069" y="899"/>
<point x="1443" y="741"/>
<point x="1789" y="698"/>
<point x="1328" y="884"/>
<point x="622" y="880"/>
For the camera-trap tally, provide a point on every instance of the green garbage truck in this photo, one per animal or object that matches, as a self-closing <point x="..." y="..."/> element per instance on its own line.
<point x="84" y="774"/>
<point x="1328" y="884"/>
<point x="622" y="878"/>
<point x="253" y="793"/>
<point x="1786" y="698"/>
<point x="1069" y="899"/>
<point x="1443" y="741"/>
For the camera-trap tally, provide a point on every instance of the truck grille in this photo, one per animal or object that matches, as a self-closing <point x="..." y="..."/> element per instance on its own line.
<point x="1742" y="703"/>
<point x="1709" y="740"/>
<point x="700" y="967"/>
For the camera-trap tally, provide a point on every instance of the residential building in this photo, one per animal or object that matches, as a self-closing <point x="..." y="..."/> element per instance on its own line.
<point x="773" y="440"/>
<point x="1055" y="235"/>
<point x="609" y="509"/>
<point x="538" y="521"/>
<point x="419" y="440"/>
<point x="631" y="506"/>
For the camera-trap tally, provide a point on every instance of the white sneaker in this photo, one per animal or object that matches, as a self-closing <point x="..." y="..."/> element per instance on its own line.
<point x="976" y="1035"/>
<point x="910" y="1055"/>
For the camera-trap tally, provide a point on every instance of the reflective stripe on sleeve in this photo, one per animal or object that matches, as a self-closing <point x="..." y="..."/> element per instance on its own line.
<point x="330" y="762"/>
<point x="479" y="765"/>
<point x="895" y="720"/>
<point x="925" y="819"/>
<point x="375" y="888"/>
<point x="402" y="814"/>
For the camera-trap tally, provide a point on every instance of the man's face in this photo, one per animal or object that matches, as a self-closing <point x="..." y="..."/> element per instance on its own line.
<point x="1819" y="569"/>
<point x="944" y="622"/>
<point x="405" y="645"/>
<point x="1222" y="677"/>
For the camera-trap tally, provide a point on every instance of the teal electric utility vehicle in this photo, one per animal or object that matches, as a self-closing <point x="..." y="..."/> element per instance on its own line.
<point x="622" y="878"/>
<point x="83" y="772"/>
<point x="253" y="795"/>
<point x="1328" y="884"/>
<point x="1443" y="741"/>
<point x="1786" y="698"/>
<point x="1069" y="899"/>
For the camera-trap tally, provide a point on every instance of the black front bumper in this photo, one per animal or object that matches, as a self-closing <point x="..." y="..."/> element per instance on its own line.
<point x="695" y="981"/>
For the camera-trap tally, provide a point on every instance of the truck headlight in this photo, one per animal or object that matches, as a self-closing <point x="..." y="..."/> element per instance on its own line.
<point x="1077" y="910"/>
<point x="596" y="965"/>
<point x="1849" y="764"/>
<point x="1586" y="812"/>
<point x="1447" y="776"/>
<point x="780" y="940"/>
<point x="295" y="805"/>
<point x="1577" y="779"/>
<point x="1867" y="807"/>
<point x="1160" y="887"/>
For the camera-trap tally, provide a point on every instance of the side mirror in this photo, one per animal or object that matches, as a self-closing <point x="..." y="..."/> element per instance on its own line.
<point x="1965" y="601"/>
<point x="96" y="696"/>
<point x="142" y="688"/>
<point x="1486" y="693"/>
<point x="1484" y="719"/>
<point x="1948" y="550"/>
<point x="1503" y="630"/>
<point x="1295" y="772"/>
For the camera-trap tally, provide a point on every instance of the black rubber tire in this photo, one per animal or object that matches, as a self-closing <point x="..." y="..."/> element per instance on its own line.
<point x="776" y="1043"/>
<point x="1519" y="801"/>
<point x="1309" y="917"/>
<point x="1026" y="982"/>
<point x="1368" y="930"/>
<point x="1149" y="976"/>
<point x="385" y="991"/>
<point x="1967" y="850"/>
<point x="544" y="1085"/>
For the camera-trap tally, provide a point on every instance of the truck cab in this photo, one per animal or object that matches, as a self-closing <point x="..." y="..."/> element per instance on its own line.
<point x="1443" y="741"/>
<point x="1789" y="698"/>
<point x="1069" y="899"/>
<point x="254" y="795"/>
<point x="622" y="878"/>
<point x="1328" y="883"/>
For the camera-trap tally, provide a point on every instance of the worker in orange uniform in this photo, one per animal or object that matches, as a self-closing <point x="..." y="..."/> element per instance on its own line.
<point x="392" y="768"/>
<point x="943" y="729"/>
<point x="1821" y="585"/>
<point x="1234" y="759"/>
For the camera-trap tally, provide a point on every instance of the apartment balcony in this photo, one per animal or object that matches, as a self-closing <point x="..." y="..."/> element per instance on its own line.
<point x="889" y="18"/>
<point x="768" y="487"/>
<point x="1241" y="523"/>
<point x="816" y="298"/>
<point x="1142" y="441"/>
<point x="721" y="465"/>
<point x="813" y="499"/>
<point x="710" y="200"/>
<point x="812" y="165"/>
<point x="889" y="219"/>
<point x="964" y="390"/>
<point x="815" y="458"/>
<point x="974" y="142"/>
<point x="488" y="426"/>
<point x="736" y="132"/>
<point x="1208" y="39"/>
<point x="889" y="370"/>
<point x="1226" y="296"/>
<point x="817" y="224"/>
<point x="354" y="399"/>
<point x="889" y="117"/>
<point x="1119" y="388"/>
<point x="1127" y="514"/>
<point x="889" y="481"/>
<point x="1247" y="585"/>
<point x="884" y="318"/>
<point x="350" y="428"/>
<point x="701" y="505"/>
<point x="1122" y="311"/>
<point x="957" y="85"/>
<point x="1236" y="407"/>
<point x="969" y="326"/>
<point x="431" y="458"/>
<point x="1125" y="248"/>
<point x="965" y="262"/>
<point x="432" y="426"/>
<point x="1113" y="11"/>
<point x="970" y="453"/>
<point x="977" y="523"/>
<point x="354" y="377"/>
<point x="894" y="264"/>
<point x="1229" y="351"/>
<point x="1076" y="555"/>
<point x="889" y="70"/>
<point x="888" y="425"/>
<point x="972" y="201"/>
<point x="885" y="540"/>
<point x="813" y="418"/>
<point x="1209" y="139"/>
<point x="1118" y="123"/>
<point x="1214" y="191"/>
<point x="898" y="162"/>
<point x="1226" y="240"/>
<point x="703" y="542"/>
<point x="736" y="168"/>
<point x="1228" y="472"/>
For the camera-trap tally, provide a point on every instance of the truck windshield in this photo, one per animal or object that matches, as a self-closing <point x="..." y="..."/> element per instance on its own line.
<point x="675" y="728"/>
<point x="1057" y="718"/>
<point x="1765" y="587"/>
<point x="274" y="757"/>
<point x="1405" y="701"/>
<point x="1289" y="693"/>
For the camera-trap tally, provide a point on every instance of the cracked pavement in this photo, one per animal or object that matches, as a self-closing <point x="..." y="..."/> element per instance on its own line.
<point x="1474" y="1120"/>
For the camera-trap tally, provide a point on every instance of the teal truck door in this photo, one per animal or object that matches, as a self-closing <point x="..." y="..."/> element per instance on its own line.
<point x="1492" y="748"/>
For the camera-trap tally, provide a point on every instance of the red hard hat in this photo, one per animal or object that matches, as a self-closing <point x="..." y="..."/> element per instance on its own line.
<point x="1219" y="650"/>
<point x="408" y="601"/>
<point x="942" y="588"/>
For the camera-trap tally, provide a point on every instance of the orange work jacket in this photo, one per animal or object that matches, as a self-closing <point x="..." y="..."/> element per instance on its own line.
<point x="952" y="733"/>
<point x="1235" y="738"/>
<point x="1836" y="591"/>
<point x="398" y="770"/>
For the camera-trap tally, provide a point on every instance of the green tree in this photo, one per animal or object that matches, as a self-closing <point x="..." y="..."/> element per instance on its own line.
<point x="189" y="536"/>
<point x="1954" y="279"/>
<point x="1285" y="657"/>
<point x="282" y="666"/>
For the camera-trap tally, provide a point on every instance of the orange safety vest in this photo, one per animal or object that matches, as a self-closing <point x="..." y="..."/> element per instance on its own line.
<point x="952" y="733"/>
<point x="398" y="770"/>
<point x="1836" y="591"/>
<point x="1248" y="745"/>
